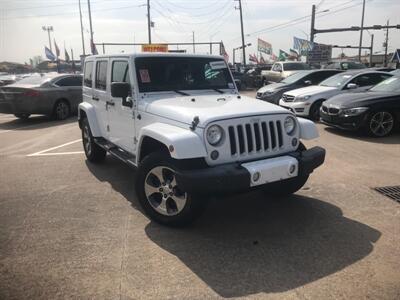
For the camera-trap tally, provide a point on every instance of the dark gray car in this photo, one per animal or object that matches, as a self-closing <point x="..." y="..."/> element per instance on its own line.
<point x="273" y="92"/>
<point x="55" y="95"/>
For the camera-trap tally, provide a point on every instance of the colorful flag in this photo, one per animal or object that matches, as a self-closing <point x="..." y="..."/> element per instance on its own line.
<point x="264" y="47"/>
<point x="93" y="48"/>
<point x="274" y="57"/>
<point x="262" y="60"/>
<point x="253" y="58"/>
<point x="57" y="49"/>
<point x="50" y="55"/>
<point x="223" y="52"/>
<point x="302" y="45"/>
<point x="66" y="55"/>
<point x="283" y="55"/>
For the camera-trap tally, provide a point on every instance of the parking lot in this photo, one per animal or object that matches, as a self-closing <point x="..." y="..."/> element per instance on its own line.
<point x="72" y="229"/>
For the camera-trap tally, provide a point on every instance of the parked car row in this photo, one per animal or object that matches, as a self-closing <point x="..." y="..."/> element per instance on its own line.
<point x="55" y="95"/>
<point x="358" y="99"/>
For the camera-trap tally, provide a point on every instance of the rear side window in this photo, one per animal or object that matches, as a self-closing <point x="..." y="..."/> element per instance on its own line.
<point x="370" y="79"/>
<point x="87" y="81"/>
<point x="70" y="81"/>
<point x="101" y="75"/>
<point x="120" y="72"/>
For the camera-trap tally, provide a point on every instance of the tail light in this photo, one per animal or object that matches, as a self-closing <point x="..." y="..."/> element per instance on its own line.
<point x="31" y="93"/>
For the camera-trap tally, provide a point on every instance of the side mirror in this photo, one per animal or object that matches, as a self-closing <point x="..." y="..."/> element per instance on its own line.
<point x="121" y="90"/>
<point x="307" y="82"/>
<point x="352" y="86"/>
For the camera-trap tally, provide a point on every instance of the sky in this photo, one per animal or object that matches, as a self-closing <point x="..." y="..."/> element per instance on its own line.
<point x="125" y="21"/>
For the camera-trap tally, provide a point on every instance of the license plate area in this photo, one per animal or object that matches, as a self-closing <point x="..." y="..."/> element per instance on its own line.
<point x="272" y="170"/>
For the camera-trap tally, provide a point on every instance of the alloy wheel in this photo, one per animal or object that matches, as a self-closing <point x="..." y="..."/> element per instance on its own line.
<point x="86" y="140"/>
<point x="162" y="191"/>
<point x="381" y="123"/>
<point x="62" y="110"/>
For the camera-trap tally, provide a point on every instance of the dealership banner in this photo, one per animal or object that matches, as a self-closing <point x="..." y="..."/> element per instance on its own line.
<point x="264" y="47"/>
<point x="155" y="48"/>
<point x="320" y="54"/>
<point x="303" y="46"/>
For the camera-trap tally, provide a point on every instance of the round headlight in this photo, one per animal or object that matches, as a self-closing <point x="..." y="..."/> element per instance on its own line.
<point x="290" y="125"/>
<point x="214" y="134"/>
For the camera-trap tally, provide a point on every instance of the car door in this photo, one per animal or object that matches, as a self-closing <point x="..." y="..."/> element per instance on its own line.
<point x="71" y="88"/>
<point x="121" y="115"/>
<point x="101" y="95"/>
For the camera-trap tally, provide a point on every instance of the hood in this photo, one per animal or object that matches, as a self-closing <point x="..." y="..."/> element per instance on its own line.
<point x="311" y="90"/>
<point x="272" y="87"/>
<point x="210" y="108"/>
<point x="359" y="99"/>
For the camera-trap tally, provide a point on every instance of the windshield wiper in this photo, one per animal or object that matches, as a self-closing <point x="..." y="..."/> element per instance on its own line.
<point x="219" y="91"/>
<point x="180" y="93"/>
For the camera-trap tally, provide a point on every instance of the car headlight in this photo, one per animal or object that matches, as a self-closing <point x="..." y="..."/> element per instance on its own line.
<point x="267" y="93"/>
<point x="214" y="134"/>
<point x="349" y="112"/>
<point x="290" y="125"/>
<point x="302" y="98"/>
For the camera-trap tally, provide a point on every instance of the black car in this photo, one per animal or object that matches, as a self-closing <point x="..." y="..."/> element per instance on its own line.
<point x="376" y="110"/>
<point x="273" y="92"/>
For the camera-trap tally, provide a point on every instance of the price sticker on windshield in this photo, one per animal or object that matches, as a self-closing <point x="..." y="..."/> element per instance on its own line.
<point x="217" y="65"/>
<point x="144" y="76"/>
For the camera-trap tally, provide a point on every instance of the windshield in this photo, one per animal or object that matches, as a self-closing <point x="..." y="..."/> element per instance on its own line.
<point x="295" y="77"/>
<point x="156" y="74"/>
<point x="295" y="66"/>
<point x="389" y="85"/>
<point x="337" y="80"/>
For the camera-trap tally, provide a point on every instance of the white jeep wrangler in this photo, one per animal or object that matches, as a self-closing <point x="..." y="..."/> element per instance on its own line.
<point x="180" y="121"/>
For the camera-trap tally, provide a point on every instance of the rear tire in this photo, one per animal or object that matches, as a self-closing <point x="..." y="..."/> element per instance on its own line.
<point x="94" y="153"/>
<point x="62" y="110"/>
<point x="22" y="116"/>
<point x="159" y="193"/>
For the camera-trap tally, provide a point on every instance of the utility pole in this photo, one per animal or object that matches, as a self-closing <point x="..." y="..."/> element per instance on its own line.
<point x="91" y="27"/>
<point x="48" y="29"/>
<point x="83" y="38"/>
<point x="194" y="48"/>
<point x="361" y="30"/>
<point x="241" y="26"/>
<point x="148" y="21"/>
<point x="371" y="51"/>
<point x="312" y="32"/>
<point x="386" y="43"/>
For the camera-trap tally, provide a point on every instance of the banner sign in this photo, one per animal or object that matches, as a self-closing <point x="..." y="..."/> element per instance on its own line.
<point x="303" y="46"/>
<point x="155" y="48"/>
<point x="264" y="47"/>
<point x="320" y="54"/>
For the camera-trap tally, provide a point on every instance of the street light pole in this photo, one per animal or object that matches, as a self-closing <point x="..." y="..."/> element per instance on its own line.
<point x="48" y="29"/>
<point x="371" y="52"/>
<point x="148" y="21"/>
<point x="83" y="38"/>
<point x="312" y="32"/>
<point x="241" y="26"/>
<point x="361" y="31"/>
<point x="91" y="27"/>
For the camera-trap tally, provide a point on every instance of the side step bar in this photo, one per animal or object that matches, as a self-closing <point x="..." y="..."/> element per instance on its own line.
<point x="116" y="151"/>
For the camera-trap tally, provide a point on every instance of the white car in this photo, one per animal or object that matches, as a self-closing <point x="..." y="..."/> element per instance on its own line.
<point x="307" y="101"/>
<point x="179" y="120"/>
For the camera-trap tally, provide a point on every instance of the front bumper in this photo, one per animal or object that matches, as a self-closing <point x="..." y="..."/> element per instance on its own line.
<point x="237" y="177"/>
<point x="346" y="123"/>
<point x="299" y="108"/>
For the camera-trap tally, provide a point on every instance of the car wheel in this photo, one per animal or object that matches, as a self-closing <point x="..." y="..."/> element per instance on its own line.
<point x="314" y="110"/>
<point x="380" y="123"/>
<point x="62" y="110"/>
<point x="160" y="195"/>
<point x="94" y="153"/>
<point x="22" y="116"/>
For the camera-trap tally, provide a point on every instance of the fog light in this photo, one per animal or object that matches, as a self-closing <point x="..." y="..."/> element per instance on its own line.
<point x="294" y="142"/>
<point x="292" y="169"/>
<point x="256" y="176"/>
<point x="214" y="155"/>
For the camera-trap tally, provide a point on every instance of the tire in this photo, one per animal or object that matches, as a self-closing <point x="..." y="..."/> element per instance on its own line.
<point x="22" y="116"/>
<point x="160" y="196"/>
<point x="62" y="110"/>
<point x="380" y="123"/>
<point x="314" y="110"/>
<point x="94" y="153"/>
<point x="289" y="186"/>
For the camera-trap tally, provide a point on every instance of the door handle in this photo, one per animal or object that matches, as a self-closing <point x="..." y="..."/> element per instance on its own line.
<point x="95" y="98"/>
<point x="110" y="103"/>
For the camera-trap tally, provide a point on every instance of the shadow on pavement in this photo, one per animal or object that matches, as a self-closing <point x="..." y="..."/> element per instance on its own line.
<point x="34" y="122"/>
<point x="391" y="139"/>
<point x="248" y="244"/>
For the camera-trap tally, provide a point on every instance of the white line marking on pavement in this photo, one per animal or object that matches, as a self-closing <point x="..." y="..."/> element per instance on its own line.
<point x="58" y="153"/>
<point x="53" y="148"/>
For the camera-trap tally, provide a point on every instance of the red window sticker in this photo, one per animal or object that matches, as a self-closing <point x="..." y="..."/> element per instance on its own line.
<point x="144" y="76"/>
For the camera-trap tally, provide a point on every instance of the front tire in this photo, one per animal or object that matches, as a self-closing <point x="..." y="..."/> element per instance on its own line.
<point x="380" y="124"/>
<point x="94" y="153"/>
<point x="159" y="193"/>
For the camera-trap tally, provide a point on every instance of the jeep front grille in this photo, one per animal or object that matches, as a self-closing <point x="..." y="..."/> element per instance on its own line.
<point x="255" y="137"/>
<point x="288" y="98"/>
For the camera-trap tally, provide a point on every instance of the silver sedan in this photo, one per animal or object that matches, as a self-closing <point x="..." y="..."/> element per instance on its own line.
<point x="55" y="95"/>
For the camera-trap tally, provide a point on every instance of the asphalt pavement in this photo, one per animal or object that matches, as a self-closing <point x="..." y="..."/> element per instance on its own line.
<point x="72" y="229"/>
